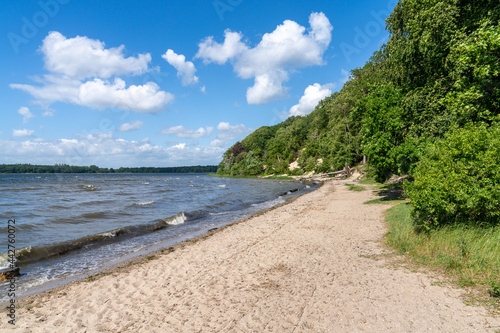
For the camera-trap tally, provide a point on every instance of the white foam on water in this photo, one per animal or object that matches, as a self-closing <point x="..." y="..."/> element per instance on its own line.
<point x="144" y="203"/>
<point x="218" y="214"/>
<point x="90" y="187"/>
<point x="176" y="220"/>
<point x="36" y="282"/>
<point x="109" y="233"/>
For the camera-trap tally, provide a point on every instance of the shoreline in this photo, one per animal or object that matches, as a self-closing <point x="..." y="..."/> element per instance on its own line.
<point x="140" y="256"/>
<point x="311" y="265"/>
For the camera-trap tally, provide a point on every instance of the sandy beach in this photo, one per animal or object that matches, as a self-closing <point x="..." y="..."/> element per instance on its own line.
<point x="308" y="266"/>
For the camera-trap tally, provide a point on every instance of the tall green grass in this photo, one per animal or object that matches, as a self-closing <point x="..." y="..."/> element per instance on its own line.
<point x="471" y="256"/>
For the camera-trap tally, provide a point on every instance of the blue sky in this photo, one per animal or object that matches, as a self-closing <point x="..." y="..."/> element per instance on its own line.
<point x="168" y="83"/>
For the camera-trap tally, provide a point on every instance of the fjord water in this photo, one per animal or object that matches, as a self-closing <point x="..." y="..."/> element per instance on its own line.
<point x="68" y="224"/>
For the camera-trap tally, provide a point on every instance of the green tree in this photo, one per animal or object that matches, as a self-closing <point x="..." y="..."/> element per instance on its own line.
<point x="456" y="181"/>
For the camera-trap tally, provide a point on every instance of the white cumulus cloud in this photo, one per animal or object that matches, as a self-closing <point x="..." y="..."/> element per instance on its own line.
<point x="135" y="125"/>
<point x="289" y="47"/>
<point x="79" y="69"/>
<point x="26" y="113"/>
<point x="101" y="94"/>
<point x="187" y="133"/>
<point x="180" y="146"/>
<point x="211" y="51"/>
<point x="312" y="96"/>
<point x="22" y="133"/>
<point x="82" y="57"/>
<point x="185" y="69"/>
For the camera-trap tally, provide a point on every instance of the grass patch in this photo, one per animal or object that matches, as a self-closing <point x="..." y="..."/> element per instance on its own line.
<point x="354" y="187"/>
<point x="469" y="256"/>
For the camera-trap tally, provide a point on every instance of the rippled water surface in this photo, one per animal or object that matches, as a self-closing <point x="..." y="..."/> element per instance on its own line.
<point x="70" y="224"/>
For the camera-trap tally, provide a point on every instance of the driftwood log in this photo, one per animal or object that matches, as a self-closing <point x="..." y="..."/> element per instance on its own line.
<point x="8" y="273"/>
<point x="346" y="172"/>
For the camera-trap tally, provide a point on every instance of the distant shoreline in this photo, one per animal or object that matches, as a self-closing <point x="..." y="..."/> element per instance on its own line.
<point x="93" y="169"/>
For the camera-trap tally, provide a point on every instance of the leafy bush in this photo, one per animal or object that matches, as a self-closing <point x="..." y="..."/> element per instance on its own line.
<point x="382" y="128"/>
<point x="457" y="180"/>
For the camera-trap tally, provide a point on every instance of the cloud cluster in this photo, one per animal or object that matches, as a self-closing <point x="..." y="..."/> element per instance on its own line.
<point x="22" y="133"/>
<point x="82" y="57"/>
<point x="289" y="47"/>
<point x="104" y="150"/>
<point x="26" y="113"/>
<point x="80" y="71"/>
<point x="312" y="96"/>
<point x="127" y="127"/>
<point x="185" y="69"/>
<point x="211" y="51"/>
<point x="226" y="133"/>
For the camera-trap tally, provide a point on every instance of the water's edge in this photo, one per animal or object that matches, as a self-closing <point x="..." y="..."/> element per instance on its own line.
<point x="140" y="256"/>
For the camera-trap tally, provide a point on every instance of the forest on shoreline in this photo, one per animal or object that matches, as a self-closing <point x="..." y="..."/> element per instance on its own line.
<point x="64" y="168"/>
<point x="426" y="104"/>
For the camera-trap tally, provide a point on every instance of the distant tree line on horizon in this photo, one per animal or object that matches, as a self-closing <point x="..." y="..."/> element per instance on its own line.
<point x="64" y="168"/>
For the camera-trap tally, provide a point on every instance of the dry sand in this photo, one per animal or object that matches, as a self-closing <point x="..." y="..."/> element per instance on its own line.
<point x="302" y="267"/>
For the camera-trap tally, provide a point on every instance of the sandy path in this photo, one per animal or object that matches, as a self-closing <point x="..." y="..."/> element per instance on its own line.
<point x="298" y="268"/>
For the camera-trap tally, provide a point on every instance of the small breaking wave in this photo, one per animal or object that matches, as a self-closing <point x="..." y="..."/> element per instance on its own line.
<point x="89" y="187"/>
<point x="175" y="220"/>
<point x="145" y="203"/>
<point x="29" y="254"/>
<point x="219" y="213"/>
